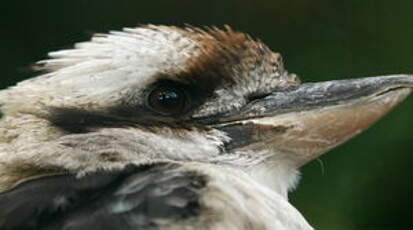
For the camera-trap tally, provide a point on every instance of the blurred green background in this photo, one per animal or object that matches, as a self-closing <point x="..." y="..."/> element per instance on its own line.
<point x="364" y="184"/>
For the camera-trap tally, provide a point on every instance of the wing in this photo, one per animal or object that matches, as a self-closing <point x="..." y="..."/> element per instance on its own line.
<point x="145" y="197"/>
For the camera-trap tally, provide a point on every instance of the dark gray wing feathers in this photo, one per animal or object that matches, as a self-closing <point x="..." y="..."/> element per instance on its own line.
<point x="145" y="197"/>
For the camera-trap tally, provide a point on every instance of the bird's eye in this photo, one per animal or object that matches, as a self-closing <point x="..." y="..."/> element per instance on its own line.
<point x="167" y="100"/>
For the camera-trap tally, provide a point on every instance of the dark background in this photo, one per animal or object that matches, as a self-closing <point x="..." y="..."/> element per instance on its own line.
<point x="364" y="184"/>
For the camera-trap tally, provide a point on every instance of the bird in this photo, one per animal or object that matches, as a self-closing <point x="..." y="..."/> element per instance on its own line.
<point x="163" y="127"/>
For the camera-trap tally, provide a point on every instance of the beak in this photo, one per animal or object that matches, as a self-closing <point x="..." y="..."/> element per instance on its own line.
<point x="305" y="121"/>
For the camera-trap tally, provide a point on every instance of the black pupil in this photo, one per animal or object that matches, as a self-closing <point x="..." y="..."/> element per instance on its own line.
<point x="167" y="101"/>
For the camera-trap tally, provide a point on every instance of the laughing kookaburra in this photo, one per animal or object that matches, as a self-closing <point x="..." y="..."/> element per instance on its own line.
<point x="168" y="128"/>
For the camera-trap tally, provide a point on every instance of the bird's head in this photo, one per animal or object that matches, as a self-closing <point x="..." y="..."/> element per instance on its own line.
<point x="160" y="93"/>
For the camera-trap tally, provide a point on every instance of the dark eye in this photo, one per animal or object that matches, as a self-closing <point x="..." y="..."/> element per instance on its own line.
<point x="168" y="100"/>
